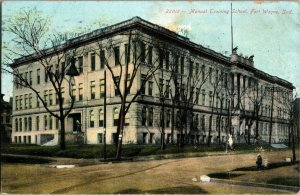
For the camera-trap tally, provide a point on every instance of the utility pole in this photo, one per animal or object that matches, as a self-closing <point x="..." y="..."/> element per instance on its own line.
<point x="104" y="132"/>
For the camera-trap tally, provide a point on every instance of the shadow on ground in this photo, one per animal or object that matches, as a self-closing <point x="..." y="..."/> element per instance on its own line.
<point x="224" y="175"/>
<point x="171" y="190"/>
<point x="24" y="160"/>
<point x="270" y="166"/>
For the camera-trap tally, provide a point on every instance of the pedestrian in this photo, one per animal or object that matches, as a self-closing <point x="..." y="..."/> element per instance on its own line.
<point x="259" y="161"/>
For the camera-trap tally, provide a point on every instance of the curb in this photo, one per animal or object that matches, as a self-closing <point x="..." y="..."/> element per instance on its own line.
<point x="244" y="183"/>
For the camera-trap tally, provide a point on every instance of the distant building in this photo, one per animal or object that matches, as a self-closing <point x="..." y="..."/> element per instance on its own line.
<point x="32" y="124"/>
<point x="6" y="112"/>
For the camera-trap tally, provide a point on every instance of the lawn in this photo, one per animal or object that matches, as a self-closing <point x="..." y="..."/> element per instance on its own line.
<point x="128" y="151"/>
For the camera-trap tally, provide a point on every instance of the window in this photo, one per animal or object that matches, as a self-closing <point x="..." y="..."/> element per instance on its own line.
<point x="46" y="75"/>
<point x="161" y="86"/>
<point x="80" y="91"/>
<point x="73" y="92"/>
<point x="20" y="123"/>
<point x="168" y="91"/>
<point x="150" y="88"/>
<point x="127" y="52"/>
<point x="117" y="56"/>
<point x="50" y="97"/>
<point x="167" y="60"/>
<point x="24" y="139"/>
<point x="26" y="101"/>
<point x="210" y="75"/>
<point x="168" y="118"/>
<point x="101" y="118"/>
<point x="30" y="77"/>
<point x="203" y="123"/>
<point x="176" y="57"/>
<point x="143" y="52"/>
<point x="92" y="118"/>
<point x="203" y="97"/>
<point x="114" y="138"/>
<point x="16" y="125"/>
<point x="117" y="79"/>
<point x="50" y="122"/>
<point x="25" y="124"/>
<point x="150" y="49"/>
<point x="100" y="138"/>
<point x="182" y="65"/>
<point x="116" y="117"/>
<point x="217" y="76"/>
<point x="191" y="67"/>
<point x="93" y="92"/>
<point x="143" y="84"/>
<point x="145" y="138"/>
<point x="37" y="101"/>
<point x="161" y="58"/>
<point x="210" y="99"/>
<point x="30" y="100"/>
<point x="45" y="122"/>
<point x="21" y="100"/>
<point x="26" y="77"/>
<point x="197" y="69"/>
<point x="45" y="97"/>
<point x="203" y="72"/>
<point x="150" y="117"/>
<point x="16" y="139"/>
<point x="29" y="123"/>
<point x="144" y="116"/>
<point x="56" y="123"/>
<point x="37" y="121"/>
<point x="20" y="139"/>
<point x="80" y="64"/>
<point x="151" y="138"/>
<point x="16" y="102"/>
<point x="102" y="59"/>
<point x="102" y="88"/>
<point x="93" y="62"/>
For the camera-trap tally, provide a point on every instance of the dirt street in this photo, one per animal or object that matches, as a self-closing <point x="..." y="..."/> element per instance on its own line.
<point x="161" y="176"/>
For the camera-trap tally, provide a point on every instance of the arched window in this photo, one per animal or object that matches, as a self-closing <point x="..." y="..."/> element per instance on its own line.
<point x="16" y="125"/>
<point x="92" y="118"/>
<point x="144" y="116"/>
<point x="101" y="118"/>
<point x="20" y="123"/>
<point x="116" y="117"/>
<point x="29" y="123"/>
<point x="150" y="120"/>
<point x="25" y="123"/>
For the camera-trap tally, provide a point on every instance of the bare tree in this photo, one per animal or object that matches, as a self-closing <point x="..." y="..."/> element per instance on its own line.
<point x="30" y="38"/>
<point x="289" y="114"/>
<point x="187" y="87"/>
<point x="255" y="97"/>
<point x="125" y="68"/>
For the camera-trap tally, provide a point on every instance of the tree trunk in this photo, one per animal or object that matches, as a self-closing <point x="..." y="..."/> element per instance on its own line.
<point x="172" y="121"/>
<point x="120" y="135"/>
<point x="62" y="134"/>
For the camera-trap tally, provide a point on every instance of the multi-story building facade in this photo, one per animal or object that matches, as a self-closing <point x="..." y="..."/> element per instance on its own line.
<point x="222" y="89"/>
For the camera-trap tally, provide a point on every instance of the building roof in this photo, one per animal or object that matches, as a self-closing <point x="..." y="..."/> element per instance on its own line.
<point x="153" y="28"/>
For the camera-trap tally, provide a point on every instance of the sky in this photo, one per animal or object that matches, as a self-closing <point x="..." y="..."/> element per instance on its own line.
<point x="268" y="30"/>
